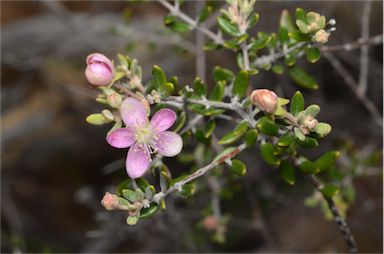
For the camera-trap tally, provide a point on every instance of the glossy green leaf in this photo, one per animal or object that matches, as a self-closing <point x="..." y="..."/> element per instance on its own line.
<point x="330" y="190"/>
<point x="297" y="103"/>
<point x="218" y="91"/>
<point x="278" y="69"/>
<point x="201" y="109"/>
<point x="299" y="134"/>
<point x="308" y="142"/>
<point x="234" y="135"/>
<point x="323" y="129"/>
<point x="303" y="27"/>
<point x="240" y="85"/>
<point x="286" y="140"/>
<point x="171" y="22"/>
<point x="299" y="36"/>
<point x="166" y="89"/>
<point x="261" y="42"/>
<point x="199" y="87"/>
<point x="287" y="172"/>
<point x="290" y="60"/>
<point x="187" y="190"/>
<point x="283" y="35"/>
<point x="142" y="183"/>
<point x="204" y="13"/>
<point x="302" y="78"/>
<point x="308" y="166"/>
<point x="301" y="14"/>
<point x="220" y="74"/>
<point x="268" y="154"/>
<point x="149" y="211"/>
<point x="225" y="153"/>
<point x="313" y="54"/>
<point x="267" y="126"/>
<point x="227" y="26"/>
<point x="139" y="194"/>
<point x="251" y="137"/>
<point x="209" y="128"/>
<point x="159" y="77"/>
<point x="327" y="160"/>
<point x="199" y="135"/>
<point x="238" y="167"/>
<point x="252" y="20"/>
<point x="123" y="201"/>
<point x="130" y="195"/>
<point x="211" y="45"/>
<point x="132" y="220"/>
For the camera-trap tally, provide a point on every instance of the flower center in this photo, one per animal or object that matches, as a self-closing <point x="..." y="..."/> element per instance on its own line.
<point x="144" y="134"/>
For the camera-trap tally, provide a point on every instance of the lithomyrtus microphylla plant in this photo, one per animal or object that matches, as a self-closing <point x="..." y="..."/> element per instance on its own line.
<point x="185" y="116"/>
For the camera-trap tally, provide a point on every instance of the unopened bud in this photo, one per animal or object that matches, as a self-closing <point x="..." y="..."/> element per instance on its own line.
<point x="321" y="36"/>
<point x="264" y="99"/>
<point x="114" y="100"/>
<point x="100" y="71"/>
<point x="108" y="114"/>
<point x="210" y="223"/>
<point x="310" y="122"/>
<point x="110" y="201"/>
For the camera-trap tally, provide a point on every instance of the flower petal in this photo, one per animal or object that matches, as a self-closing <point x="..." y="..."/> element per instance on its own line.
<point x="163" y="119"/>
<point x="138" y="161"/>
<point x="99" y="58"/>
<point x="168" y="143"/>
<point x="121" y="138"/>
<point x="133" y="112"/>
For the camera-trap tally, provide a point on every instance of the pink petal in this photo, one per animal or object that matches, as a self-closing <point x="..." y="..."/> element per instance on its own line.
<point x="133" y="112"/>
<point x="138" y="161"/>
<point x="121" y="138"/>
<point x="99" y="58"/>
<point x="163" y="119"/>
<point x="168" y="143"/>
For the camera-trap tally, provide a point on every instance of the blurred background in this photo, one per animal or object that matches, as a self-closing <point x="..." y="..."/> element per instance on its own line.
<point x="55" y="167"/>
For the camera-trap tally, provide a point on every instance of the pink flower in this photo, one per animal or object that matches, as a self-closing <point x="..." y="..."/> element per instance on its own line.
<point x="110" y="201"/>
<point x="100" y="71"/>
<point x="144" y="137"/>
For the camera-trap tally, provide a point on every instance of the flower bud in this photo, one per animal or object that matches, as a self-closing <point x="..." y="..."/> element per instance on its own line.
<point x="100" y="71"/>
<point x="321" y="36"/>
<point x="114" y="100"/>
<point x="310" y="122"/>
<point x="110" y="201"/>
<point x="264" y="99"/>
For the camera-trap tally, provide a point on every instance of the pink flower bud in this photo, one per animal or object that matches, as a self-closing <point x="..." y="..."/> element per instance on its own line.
<point x="210" y="223"/>
<point x="99" y="70"/>
<point x="264" y="99"/>
<point x="110" y="201"/>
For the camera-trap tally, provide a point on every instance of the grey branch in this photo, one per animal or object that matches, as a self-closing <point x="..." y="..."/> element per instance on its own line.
<point x="364" y="55"/>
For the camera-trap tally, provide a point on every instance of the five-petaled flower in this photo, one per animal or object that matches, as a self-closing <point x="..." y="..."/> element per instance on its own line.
<point x="144" y="137"/>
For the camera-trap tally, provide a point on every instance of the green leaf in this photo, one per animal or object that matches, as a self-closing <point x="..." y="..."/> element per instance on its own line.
<point x="199" y="87"/>
<point x="225" y="153"/>
<point x="218" y="91"/>
<point x="211" y="45"/>
<point x="323" y="129"/>
<point x="139" y="194"/>
<point x="251" y="137"/>
<point x="308" y="142"/>
<point x="240" y="85"/>
<point x="159" y="77"/>
<point x="227" y="26"/>
<point x="201" y="109"/>
<point x="287" y="172"/>
<point x="290" y="60"/>
<point x="299" y="134"/>
<point x="302" y="26"/>
<point x="166" y="89"/>
<point x="286" y="140"/>
<point x="286" y="21"/>
<point x="299" y="36"/>
<point x="97" y="119"/>
<point x="123" y="201"/>
<point x="301" y="14"/>
<point x="122" y="60"/>
<point x="238" y="167"/>
<point x="187" y="190"/>
<point x="312" y="110"/>
<point x="302" y="78"/>
<point x="261" y="42"/>
<point x="330" y="190"/>
<point x="268" y="153"/>
<point x="278" y="69"/>
<point x="142" y="183"/>
<point x="130" y="195"/>
<point x="204" y="13"/>
<point x="180" y="122"/>
<point x="150" y="192"/>
<point x="132" y="220"/>
<point x="283" y="34"/>
<point x="199" y="135"/>
<point x="220" y="74"/>
<point x="252" y="20"/>
<point x="308" y="166"/>
<point x="297" y="103"/>
<point x="209" y="128"/>
<point x="234" y="135"/>
<point x="313" y="54"/>
<point x="266" y="126"/>
<point x="327" y="160"/>
<point x="171" y="22"/>
<point x="149" y="211"/>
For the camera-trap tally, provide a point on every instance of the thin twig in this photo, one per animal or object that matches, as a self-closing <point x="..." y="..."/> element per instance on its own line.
<point x="342" y="224"/>
<point x="175" y="11"/>
<point x="374" y="40"/>
<point x="200" y="53"/>
<point x="350" y="81"/>
<point x="364" y="55"/>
